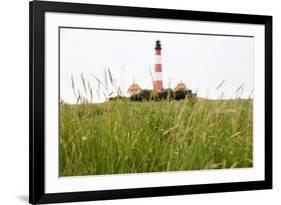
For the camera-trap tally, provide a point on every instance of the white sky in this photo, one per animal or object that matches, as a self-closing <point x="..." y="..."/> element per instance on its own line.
<point x="200" y="61"/>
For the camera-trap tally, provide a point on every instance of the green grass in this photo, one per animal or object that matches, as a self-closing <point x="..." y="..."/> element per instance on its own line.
<point x="131" y="137"/>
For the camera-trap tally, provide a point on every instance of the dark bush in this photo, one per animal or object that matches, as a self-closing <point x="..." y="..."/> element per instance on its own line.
<point x="166" y="94"/>
<point x="144" y="95"/>
<point x="181" y="94"/>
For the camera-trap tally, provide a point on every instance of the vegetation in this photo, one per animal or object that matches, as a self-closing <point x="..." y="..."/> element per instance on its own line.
<point x="152" y="132"/>
<point x="123" y="136"/>
<point x="166" y="94"/>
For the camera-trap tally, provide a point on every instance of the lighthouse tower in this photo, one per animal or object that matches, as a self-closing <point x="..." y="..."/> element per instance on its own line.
<point x="157" y="81"/>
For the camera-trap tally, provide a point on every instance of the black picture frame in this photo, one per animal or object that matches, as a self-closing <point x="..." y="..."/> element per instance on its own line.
<point x="37" y="9"/>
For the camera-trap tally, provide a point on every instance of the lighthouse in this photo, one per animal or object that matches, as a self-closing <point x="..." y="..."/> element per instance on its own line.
<point x="157" y="81"/>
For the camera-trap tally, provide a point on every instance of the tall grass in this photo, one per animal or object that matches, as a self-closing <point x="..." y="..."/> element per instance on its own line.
<point x="120" y="136"/>
<point x="135" y="137"/>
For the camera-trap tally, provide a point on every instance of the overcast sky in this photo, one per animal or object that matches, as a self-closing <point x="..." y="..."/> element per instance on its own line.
<point x="200" y="61"/>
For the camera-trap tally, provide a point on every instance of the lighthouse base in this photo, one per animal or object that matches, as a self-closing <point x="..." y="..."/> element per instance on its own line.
<point x="158" y="85"/>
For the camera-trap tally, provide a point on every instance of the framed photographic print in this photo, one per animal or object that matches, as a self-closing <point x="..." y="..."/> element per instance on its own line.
<point x="140" y="102"/>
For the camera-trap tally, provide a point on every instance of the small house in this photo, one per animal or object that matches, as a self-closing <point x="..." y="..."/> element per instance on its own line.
<point x="134" y="89"/>
<point x="180" y="86"/>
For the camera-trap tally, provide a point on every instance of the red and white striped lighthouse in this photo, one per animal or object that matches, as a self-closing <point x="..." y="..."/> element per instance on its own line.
<point x="157" y="81"/>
